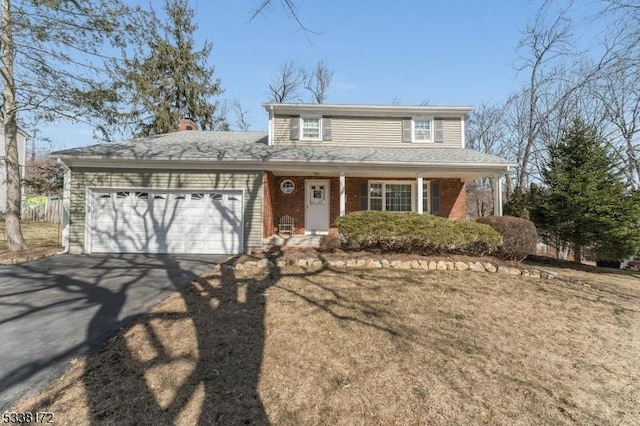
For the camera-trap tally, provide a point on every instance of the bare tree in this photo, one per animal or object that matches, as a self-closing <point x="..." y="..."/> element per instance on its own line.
<point x="284" y="87"/>
<point x="542" y="43"/>
<point x="15" y="241"/>
<point x="485" y="131"/>
<point x="52" y="59"/>
<point x="621" y="100"/>
<point x="318" y="81"/>
<point x="242" y="119"/>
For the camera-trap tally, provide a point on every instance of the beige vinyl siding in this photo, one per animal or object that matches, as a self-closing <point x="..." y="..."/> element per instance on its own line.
<point x="249" y="181"/>
<point x="368" y="131"/>
<point x="452" y="133"/>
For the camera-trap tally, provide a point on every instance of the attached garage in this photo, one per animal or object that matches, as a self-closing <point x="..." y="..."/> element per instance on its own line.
<point x="138" y="220"/>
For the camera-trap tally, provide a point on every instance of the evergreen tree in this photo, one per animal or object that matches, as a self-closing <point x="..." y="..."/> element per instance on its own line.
<point x="586" y="202"/>
<point x="166" y="81"/>
<point x="517" y="205"/>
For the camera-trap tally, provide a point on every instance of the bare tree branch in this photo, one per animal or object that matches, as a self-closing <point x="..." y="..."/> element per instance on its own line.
<point x="289" y="7"/>
<point x="284" y="87"/>
<point x="318" y="81"/>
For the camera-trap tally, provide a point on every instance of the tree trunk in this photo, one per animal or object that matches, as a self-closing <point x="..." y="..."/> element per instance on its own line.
<point x="634" y="164"/>
<point x="507" y="187"/>
<point x="577" y="253"/>
<point x="13" y="231"/>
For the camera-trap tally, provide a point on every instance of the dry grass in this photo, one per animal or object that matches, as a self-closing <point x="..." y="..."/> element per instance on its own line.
<point x="368" y="347"/>
<point x="42" y="239"/>
<point x="36" y="234"/>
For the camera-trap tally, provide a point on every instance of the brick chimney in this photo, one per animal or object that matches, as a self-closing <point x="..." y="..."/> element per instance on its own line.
<point x="187" y="124"/>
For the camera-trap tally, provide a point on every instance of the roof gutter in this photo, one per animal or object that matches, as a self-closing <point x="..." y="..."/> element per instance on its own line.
<point x="261" y="164"/>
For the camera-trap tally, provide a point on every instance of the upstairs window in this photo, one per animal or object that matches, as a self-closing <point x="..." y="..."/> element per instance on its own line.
<point x="310" y="128"/>
<point x="422" y="130"/>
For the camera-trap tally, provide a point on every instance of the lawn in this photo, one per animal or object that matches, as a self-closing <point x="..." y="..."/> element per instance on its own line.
<point x="36" y="234"/>
<point x="42" y="239"/>
<point x="368" y="346"/>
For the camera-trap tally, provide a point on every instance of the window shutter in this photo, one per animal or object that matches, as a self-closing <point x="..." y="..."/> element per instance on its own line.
<point x="406" y="130"/>
<point x="438" y="136"/>
<point x="364" y="195"/>
<point x="294" y="131"/>
<point x="326" y="128"/>
<point x="435" y="198"/>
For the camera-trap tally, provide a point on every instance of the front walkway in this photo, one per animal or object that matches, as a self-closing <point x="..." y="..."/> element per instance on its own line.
<point x="293" y="240"/>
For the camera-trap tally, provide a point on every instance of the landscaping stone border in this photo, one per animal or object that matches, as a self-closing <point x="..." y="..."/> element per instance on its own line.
<point x="373" y="263"/>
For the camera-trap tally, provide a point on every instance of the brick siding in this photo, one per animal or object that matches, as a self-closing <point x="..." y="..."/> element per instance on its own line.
<point x="277" y="204"/>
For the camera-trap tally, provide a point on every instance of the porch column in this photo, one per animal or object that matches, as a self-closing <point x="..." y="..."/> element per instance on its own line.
<point x="343" y="196"/>
<point x="496" y="186"/>
<point x="419" y="189"/>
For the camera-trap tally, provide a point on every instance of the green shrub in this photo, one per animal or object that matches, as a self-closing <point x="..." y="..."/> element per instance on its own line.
<point x="415" y="233"/>
<point x="519" y="236"/>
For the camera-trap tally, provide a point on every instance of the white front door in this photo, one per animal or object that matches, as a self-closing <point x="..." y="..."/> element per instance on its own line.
<point x="317" y="207"/>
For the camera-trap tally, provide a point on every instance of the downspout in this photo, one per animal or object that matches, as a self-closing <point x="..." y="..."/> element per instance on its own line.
<point x="66" y="207"/>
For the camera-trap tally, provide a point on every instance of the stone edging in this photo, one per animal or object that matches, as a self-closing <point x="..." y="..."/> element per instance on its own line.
<point x="430" y="265"/>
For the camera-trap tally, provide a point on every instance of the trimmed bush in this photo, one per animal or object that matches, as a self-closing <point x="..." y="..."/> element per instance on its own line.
<point x="415" y="233"/>
<point x="519" y="236"/>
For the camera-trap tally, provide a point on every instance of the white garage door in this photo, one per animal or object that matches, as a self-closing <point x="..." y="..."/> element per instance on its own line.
<point x="148" y="221"/>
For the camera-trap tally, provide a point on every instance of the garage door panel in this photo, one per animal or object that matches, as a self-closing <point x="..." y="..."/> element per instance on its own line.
<point x="166" y="221"/>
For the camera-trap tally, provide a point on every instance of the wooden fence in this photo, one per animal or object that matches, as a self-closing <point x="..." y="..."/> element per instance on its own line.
<point x="49" y="211"/>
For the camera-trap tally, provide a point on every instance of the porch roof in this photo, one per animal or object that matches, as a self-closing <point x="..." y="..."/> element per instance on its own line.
<point x="251" y="149"/>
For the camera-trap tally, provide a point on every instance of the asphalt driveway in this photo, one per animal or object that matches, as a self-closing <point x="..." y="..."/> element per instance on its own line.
<point x="56" y="309"/>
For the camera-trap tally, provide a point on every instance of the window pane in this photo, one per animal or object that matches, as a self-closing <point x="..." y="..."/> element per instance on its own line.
<point x="375" y="190"/>
<point x="398" y="197"/>
<point x="311" y="128"/>
<point x="422" y="130"/>
<point x="376" y="204"/>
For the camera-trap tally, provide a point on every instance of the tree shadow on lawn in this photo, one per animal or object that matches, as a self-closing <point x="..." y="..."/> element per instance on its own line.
<point x="198" y="358"/>
<point x="195" y="359"/>
<point x="208" y="375"/>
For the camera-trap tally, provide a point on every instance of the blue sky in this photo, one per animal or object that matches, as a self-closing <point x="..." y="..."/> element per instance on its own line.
<point x="410" y="51"/>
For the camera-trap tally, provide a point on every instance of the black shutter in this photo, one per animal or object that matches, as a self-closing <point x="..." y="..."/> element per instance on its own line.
<point x="435" y="198"/>
<point x="364" y="196"/>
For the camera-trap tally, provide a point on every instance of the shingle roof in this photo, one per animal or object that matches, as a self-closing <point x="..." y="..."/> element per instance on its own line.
<point x="252" y="147"/>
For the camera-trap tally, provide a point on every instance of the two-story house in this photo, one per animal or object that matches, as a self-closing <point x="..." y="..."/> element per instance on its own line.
<point x="225" y="192"/>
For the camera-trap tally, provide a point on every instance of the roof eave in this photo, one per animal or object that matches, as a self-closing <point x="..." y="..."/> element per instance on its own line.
<point x="266" y="164"/>
<point x="280" y="108"/>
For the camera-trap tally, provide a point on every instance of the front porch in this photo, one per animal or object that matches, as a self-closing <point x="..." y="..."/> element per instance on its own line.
<point x="296" y="240"/>
<point x="315" y="201"/>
